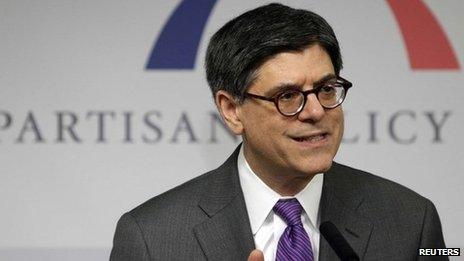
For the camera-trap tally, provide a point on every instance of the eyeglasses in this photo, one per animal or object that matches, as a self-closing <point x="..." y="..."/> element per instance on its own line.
<point x="330" y="93"/>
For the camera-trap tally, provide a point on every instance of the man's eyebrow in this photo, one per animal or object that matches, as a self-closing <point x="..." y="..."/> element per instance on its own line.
<point x="284" y="86"/>
<point x="324" y="79"/>
<point x="281" y="87"/>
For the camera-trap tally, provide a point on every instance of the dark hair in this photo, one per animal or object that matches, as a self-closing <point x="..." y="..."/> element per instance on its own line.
<point x="242" y="45"/>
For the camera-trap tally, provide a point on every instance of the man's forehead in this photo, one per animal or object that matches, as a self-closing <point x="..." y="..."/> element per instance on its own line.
<point x="308" y="66"/>
<point x="270" y="90"/>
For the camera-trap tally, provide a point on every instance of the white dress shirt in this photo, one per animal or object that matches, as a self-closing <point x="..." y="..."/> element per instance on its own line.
<point x="267" y="227"/>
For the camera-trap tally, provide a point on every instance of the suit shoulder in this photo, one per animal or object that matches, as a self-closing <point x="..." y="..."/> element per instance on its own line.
<point x="375" y="186"/>
<point x="398" y="214"/>
<point x="181" y="198"/>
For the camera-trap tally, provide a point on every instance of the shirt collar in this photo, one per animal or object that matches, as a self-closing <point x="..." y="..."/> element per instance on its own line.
<point x="310" y="198"/>
<point x="260" y="198"/>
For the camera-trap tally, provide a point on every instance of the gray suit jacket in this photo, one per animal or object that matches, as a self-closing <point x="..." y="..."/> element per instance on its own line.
<point x="206" y="219"/>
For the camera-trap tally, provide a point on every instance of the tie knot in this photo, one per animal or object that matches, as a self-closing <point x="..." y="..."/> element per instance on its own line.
<point x="289" y="210"/>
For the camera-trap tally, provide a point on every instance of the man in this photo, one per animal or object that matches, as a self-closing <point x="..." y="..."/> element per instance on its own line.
<point x="274" y="74"/>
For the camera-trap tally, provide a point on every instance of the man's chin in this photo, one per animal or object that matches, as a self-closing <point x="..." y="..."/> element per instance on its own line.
<point x="318" y="167"/>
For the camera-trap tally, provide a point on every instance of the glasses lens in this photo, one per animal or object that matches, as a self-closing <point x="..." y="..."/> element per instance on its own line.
<point x="331" y="95"/>
<point x="290" y="102"/>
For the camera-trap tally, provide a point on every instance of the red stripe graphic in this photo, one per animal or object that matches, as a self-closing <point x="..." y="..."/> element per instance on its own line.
<point x="427" y="44"/>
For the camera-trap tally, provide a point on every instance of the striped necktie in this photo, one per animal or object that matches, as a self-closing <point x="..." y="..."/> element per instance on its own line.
<point x="294" y="244"/>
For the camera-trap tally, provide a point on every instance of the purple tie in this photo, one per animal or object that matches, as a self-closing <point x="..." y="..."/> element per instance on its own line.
<point x="294" y="244"/>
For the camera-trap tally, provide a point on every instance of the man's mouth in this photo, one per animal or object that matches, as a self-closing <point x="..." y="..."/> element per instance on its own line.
<point x="311" y="138"/>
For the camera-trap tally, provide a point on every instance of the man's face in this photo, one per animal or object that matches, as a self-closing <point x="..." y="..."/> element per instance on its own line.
<point x="301" y="145"/>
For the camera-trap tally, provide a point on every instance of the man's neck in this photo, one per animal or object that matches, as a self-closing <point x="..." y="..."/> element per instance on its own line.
<point x="283" y="181"/>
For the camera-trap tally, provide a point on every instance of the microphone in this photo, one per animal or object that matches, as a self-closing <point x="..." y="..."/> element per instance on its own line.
<point x="338" y="242"/>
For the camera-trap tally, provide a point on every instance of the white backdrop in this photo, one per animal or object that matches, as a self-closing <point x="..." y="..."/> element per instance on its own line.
<point x="87" y="133"/>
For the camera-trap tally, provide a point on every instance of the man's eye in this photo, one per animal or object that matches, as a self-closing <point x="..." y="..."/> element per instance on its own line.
<point x="327" y="89"/>
<point x="289" y="95"/>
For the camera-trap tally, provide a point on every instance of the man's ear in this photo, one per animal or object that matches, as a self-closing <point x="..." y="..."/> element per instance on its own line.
<point x="230" y="111"/>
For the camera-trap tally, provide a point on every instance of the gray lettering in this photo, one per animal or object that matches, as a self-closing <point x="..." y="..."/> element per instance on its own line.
<point x="372" y="126"/>
<point x="153" y="126"/>
<point x="183" y="126"/>
<point x="351" y="140"/>
<point x="30" y="124"/>
<point x="127" y="126"/>
<point x="437" y="126"/>
<point x="66" y="127"/>
<point x="392" y="129"/>
<point x="101" y="115"/>
<point x="7" y="120"/>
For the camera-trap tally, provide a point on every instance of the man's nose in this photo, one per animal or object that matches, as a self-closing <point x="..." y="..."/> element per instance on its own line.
<point x="313" y="110"/>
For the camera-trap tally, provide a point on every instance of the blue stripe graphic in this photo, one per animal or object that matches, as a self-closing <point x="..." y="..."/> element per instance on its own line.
<point x="177" y="45"/>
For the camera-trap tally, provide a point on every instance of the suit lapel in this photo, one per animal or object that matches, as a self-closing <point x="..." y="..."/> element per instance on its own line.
<point x="226" y="234"/>
<point x="339" y="203"/>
